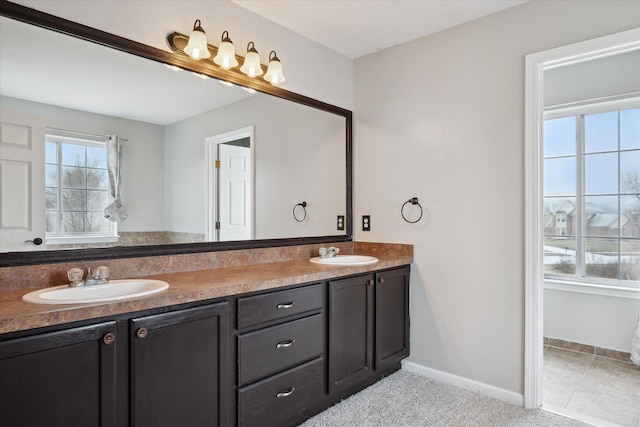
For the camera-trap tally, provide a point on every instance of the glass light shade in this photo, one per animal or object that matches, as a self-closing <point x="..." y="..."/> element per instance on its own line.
<point x="226" y="57"/>
<point x="196" y="48"/>
<point x="251" y="66"/>
<point x="274" y="71"/>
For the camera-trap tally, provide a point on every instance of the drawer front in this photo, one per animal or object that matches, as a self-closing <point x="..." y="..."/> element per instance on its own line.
<point x="272" y="350"/>
<point x="270" y="402"/>
<point x="278" y="305"/>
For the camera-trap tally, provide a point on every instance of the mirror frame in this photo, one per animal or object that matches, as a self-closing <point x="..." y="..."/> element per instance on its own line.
<point x="93" y="35"/>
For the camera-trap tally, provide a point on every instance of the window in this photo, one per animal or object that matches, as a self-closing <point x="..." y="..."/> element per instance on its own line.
<point x="592" y="193"/>
<point x="76" y="190"/>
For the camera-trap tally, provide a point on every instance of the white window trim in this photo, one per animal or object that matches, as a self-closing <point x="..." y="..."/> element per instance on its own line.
<point x="592" y="288"/>
<point x="61" y="239"/>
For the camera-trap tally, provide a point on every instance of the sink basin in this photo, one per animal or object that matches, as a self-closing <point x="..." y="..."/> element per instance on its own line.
<point x="347" y="260"/>
<point x="112" y="291"/>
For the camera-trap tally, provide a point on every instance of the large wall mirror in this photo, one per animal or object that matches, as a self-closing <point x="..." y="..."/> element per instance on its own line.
<point x="176" y="128"/>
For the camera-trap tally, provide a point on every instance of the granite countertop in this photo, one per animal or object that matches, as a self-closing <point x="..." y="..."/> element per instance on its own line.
<point x="185" y="287"/>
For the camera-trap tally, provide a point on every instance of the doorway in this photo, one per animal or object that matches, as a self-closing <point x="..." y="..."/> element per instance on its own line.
<point x="230" y="193"/>
<point x="536" y="65"/>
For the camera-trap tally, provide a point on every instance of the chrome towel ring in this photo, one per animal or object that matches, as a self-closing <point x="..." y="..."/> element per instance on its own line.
<point x="413" y="201"/>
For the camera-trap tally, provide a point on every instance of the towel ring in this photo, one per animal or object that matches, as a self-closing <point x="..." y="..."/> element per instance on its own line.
<point x="304" y="209"/>
<point x="413" y="201"/>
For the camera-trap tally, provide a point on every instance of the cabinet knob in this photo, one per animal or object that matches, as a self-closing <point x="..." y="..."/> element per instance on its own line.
<point x="285" y="344"/>
<point x="371" y="282"/>
<point x="286" y="393"/>
<point x="37" y="241"/>
<point x="286" y="305"/>
<point x="109" y="338"/>
<point x="381" y="280"/>
<point x="142" y="333"/>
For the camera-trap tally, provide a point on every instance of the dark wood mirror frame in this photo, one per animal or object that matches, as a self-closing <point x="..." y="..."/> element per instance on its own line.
<point x="73" y="29"/>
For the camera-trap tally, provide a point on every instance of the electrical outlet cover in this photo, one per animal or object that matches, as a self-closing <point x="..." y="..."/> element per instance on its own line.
<point x="366" y="222"/>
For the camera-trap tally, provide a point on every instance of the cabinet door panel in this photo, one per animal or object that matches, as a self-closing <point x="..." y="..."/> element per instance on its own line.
<point x="64" y="378"/>
<point x="180" y="368"/>
<point x="392" y="317"/>
<point x="350" y="331"/>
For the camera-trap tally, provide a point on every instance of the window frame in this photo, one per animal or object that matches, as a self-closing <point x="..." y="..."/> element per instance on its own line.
<point x="579" y="110"/>
<point x="61" y="238"/>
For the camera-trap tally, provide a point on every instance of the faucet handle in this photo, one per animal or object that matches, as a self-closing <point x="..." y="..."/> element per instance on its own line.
<point x="101" y="272"/>
<point x="75" y="275"/>
<point x="323" y="252"/>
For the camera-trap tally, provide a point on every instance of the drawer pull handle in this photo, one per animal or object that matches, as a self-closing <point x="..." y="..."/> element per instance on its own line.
<point x="285" y="344"/>
<point x="286" y="305"/>
<point x="286" y="393"/>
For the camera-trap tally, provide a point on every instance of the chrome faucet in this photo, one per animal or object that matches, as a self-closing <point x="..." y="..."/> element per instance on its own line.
<point x="328" y="252"/>
<point x="99" y="276"/>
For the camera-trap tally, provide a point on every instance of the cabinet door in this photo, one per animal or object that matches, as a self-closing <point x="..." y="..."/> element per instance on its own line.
<point x="180" y="367"/>
<point x="392" y="317"/>
<point x="65" y="378"/>
<point x="350" y="331"/>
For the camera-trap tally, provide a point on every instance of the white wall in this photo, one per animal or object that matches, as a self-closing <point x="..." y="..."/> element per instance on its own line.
<point x="295" y="147"/>
<point x="142" y="188"/>
<point x="603" y="321"/>
<point x="442" y="118"/>
<point x="612" y="75"/>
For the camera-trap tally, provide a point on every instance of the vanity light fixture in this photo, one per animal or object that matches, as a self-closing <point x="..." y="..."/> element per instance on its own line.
<point x="274" y="71"/>
<point x="197" y="47"/>
<point x="226" y="57"/>
<point x="252" y="66"/>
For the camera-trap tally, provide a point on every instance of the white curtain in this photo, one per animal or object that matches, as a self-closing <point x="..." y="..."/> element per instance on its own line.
<point x="635" y="345"/>
<point x="115" y="211"/>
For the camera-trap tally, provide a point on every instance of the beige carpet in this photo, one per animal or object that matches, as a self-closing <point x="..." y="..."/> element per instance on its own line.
<point x="405" y="399"/>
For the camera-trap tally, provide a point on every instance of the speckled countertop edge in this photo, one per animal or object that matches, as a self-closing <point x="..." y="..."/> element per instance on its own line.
<point x="185" y="287"/>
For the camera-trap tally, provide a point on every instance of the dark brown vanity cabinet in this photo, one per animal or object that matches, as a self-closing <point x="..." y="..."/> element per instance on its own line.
<point x="64" y="378"/>
<point x="391" y="318"/>
<point x="180" y="368"/>
<point x="268" y="359"/>
<point x="280" y="351"/>
<point x="368" y="326"/>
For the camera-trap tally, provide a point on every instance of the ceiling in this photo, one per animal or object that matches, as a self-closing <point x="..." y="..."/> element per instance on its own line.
<point x="356" y="28"/>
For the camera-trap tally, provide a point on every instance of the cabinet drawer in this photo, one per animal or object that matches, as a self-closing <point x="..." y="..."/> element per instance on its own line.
<point x="270" y="402"/>
<point x="272" y="350"/>
<point x="277" y="305"/>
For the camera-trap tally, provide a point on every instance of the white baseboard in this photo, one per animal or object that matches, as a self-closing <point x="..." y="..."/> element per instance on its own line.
<point x="482" y="388"/>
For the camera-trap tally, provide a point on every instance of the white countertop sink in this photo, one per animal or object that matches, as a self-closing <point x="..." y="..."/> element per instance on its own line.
<point x="346" y="260"/>
<point x="114" y="290"/>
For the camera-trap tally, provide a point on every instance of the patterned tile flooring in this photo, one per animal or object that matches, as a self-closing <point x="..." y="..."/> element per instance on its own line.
<point x="598" y="387"/>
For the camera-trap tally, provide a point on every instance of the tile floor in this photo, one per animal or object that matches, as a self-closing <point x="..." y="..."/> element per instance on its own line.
<point x="596" y="386"/>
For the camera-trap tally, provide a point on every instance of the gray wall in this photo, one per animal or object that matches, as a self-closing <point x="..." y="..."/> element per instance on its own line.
<point x="447" y="125"/>
<point x="296" y="148"/>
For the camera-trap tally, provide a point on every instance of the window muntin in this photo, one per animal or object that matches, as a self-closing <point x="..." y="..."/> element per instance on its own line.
<point x="76" y="189"/>
<point x="592" y="193"/>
